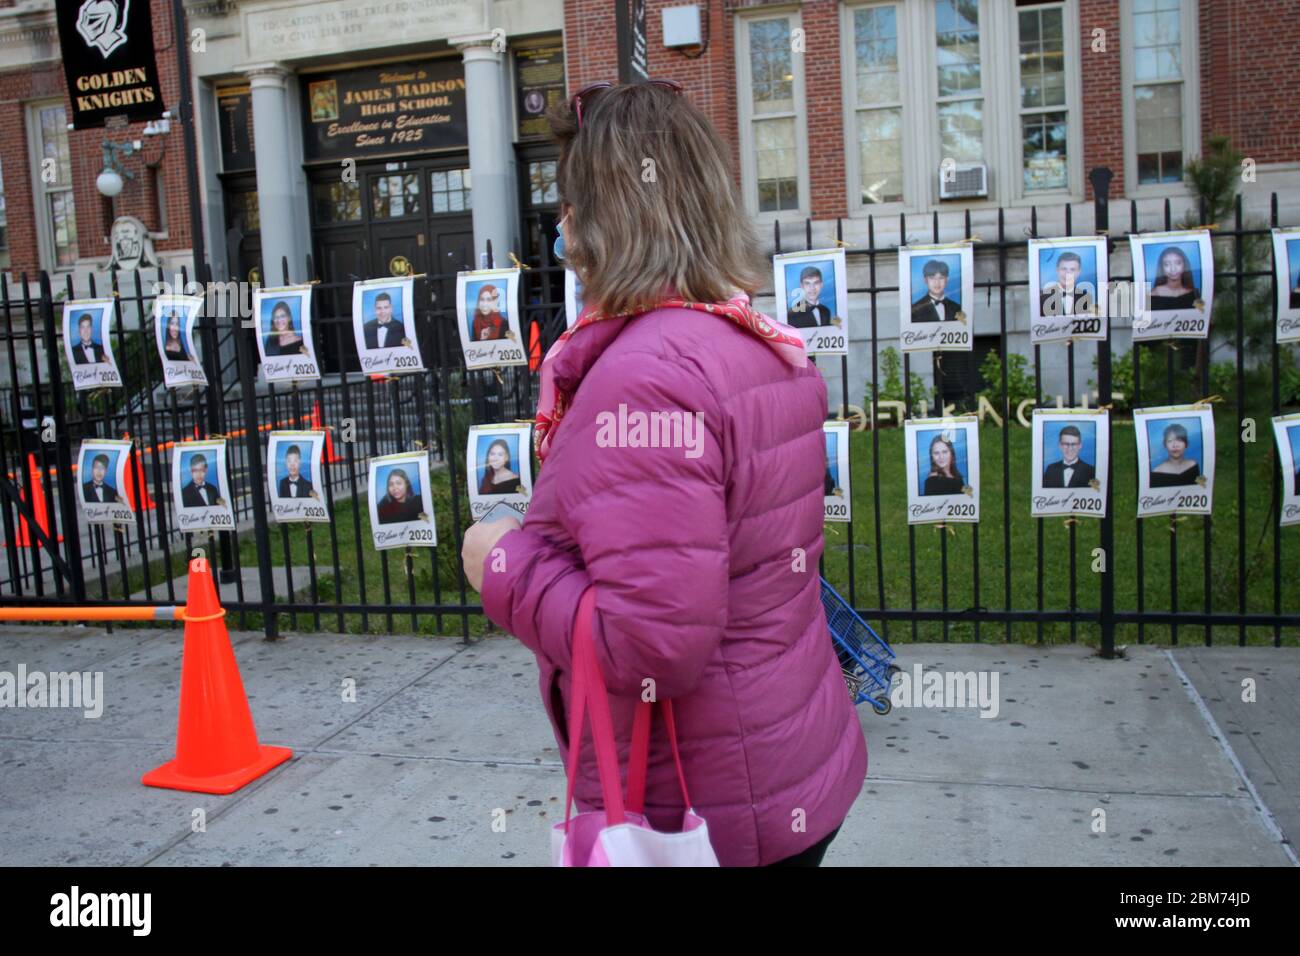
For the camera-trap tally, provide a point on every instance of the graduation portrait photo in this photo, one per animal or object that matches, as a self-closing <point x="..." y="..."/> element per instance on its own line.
<point x="1286" y="431"/>
<point x="284" y="340"/>
<point x="1071" y="462"/>
<point x="499" y="461"/>
<point x="572" y="298"/>
<point x="293" y="476"/>
<point x="838" y="504"/>
<point x="1173" y="284"/>
<point x="1286" y="265"/>
<point x="200" y="491"/>
<point x="812" y="295"/>
<point x="383" y="324"/>
<point x="943" y="469"/>
<point x="101" y="472"/>
<point x="1175" y="452"/>
<point x="87" y="343"/>
<point x="173" y="323"/>
<point x="487" y="309"/>
<point x="401" y="501"/>
<point x="936" y="294"/>
<point x="1068" y="284"/>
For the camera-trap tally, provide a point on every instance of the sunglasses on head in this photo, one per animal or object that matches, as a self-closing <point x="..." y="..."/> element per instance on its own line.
<point x="576" y="102"/>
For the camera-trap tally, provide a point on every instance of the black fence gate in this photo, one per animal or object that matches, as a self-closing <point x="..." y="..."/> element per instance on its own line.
<point x="1012" y="576"/>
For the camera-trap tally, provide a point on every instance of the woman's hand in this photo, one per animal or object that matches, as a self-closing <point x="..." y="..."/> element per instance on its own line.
<point x="480" y="539"/>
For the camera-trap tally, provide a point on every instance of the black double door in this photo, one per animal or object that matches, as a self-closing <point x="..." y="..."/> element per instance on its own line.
<point x="396" y="218"/>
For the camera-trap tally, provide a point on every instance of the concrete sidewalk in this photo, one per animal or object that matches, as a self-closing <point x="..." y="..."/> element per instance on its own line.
<point x="442" y="736"/>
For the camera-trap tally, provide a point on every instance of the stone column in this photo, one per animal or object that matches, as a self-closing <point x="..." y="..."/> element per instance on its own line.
<point x="491" y="146"/>
<point x="277" y="196"/>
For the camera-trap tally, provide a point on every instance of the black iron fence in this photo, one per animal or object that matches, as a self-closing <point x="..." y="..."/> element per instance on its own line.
<point x="1011" y="576"/>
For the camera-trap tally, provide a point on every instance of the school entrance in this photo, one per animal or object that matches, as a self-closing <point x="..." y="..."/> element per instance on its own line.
<point x="403" y="217"/>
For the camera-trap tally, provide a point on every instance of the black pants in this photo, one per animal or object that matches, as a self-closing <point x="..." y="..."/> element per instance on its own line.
<point x="811" y="856"/>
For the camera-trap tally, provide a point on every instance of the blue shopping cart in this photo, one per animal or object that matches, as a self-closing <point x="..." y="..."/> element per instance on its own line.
<point x="867" y="661"/>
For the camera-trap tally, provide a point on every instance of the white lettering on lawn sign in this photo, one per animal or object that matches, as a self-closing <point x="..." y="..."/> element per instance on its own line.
<point x="101" y="481"/>
<point x="943" y="469"/>
<point x="284" y="333"/>
<point x="1175" y="452"/>
<point x="1173" y="284"/>
<point x="1071" y="462"/>
<point x="88" y="343"/>
<point x="294" y="477"/>
<point x="499" y="467"/>
<point x="812" y="296"/>
<point x="200" y="488"/>
<point x="837" y="503"/>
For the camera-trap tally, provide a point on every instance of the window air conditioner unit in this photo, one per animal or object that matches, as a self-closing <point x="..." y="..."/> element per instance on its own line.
<point x="963" y="180"/>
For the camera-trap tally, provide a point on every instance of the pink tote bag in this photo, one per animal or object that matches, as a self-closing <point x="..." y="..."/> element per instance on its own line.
<point x="619" y="835"/>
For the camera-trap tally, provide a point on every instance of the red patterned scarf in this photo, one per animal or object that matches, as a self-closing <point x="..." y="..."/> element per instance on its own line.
<point x="552" y="402"/>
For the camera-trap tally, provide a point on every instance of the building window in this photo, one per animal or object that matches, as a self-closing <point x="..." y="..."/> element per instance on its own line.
<point x="395" y="195"/>
<point x="878" y="105"/>
<point x="772" y="103"/>
<point x="542" y="187"/>
<point x="1157" y="71"/>
<point x="337" y="202"/>
<point x="1044" y="118"/>
<point x="449" y="190"/>
<point x="56" y="209"/>
<point x="960" y="80"/>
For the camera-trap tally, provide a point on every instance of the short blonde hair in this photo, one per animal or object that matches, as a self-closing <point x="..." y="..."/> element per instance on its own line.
<point x="654" y="206"/>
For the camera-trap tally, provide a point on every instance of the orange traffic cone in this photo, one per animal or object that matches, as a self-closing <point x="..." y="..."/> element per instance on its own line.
<point x="135" y="473"/>
<point x="37" y="498"/>
<point x="534" y="347"/>
<point x="216" y="743"/>
<point x="331" y="456"/>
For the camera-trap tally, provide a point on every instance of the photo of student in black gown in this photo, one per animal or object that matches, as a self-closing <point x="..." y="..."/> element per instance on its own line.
<point x="1173" y="286"/>
<point x="499" y="477"/>
<point x="944" y="478"/>
<point x="1177" y="469"/>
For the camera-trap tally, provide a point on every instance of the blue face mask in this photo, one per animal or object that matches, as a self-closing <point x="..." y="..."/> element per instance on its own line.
<point x="558" y="247"/>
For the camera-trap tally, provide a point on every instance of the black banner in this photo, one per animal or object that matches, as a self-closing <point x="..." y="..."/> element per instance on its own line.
<point x="108" y="60"/>
<point x="389" y="109"/>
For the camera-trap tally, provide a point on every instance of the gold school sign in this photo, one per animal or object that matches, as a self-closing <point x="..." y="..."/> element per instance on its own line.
<point x="389" y="109"/>
<point x="108" y="61"/>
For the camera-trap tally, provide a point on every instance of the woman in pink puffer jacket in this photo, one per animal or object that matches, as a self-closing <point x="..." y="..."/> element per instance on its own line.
<point x="681" y="435"/>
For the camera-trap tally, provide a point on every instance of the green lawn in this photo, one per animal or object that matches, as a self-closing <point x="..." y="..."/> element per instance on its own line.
<point x="1157" y="539"/>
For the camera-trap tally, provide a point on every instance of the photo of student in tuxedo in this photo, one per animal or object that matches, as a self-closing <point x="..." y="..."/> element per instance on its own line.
<point x="86" y="351"/>
<point x="806" y="310"/>
<point x="1071" y="471"/>
<point x="199" y="493"/>
<point x="499" y="478"/>
<point x="944" y="478"/>
<point x="934" y="305"/>
<point x="282" y="339"/>
<point x="488" y="322"/>
<point x="98" y="488"/>
<point x="383" y="331"/>
<point x="295" y="484"/>
<point x="1174" y="286"/>
<point x="401" y="502"/>
<point x="1060" y="297"/>
<point x="1177" y="469"/>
